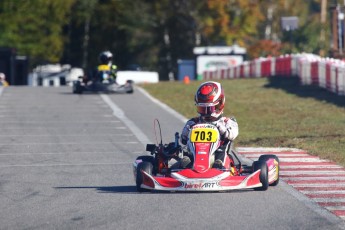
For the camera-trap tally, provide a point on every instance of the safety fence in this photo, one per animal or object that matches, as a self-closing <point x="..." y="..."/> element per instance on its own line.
<point x="311" y="69"/>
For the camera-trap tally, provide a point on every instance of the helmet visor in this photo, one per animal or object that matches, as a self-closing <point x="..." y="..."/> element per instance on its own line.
<point x="204" y="109"/>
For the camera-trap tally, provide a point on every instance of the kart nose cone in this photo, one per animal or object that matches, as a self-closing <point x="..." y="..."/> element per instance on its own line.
<point x="200" y="168"/>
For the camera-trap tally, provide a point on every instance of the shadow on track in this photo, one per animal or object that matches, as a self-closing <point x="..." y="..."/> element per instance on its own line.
<point x="104" y="189"/>
<point x="292" y="85"/>
<point x="132" y="189"/>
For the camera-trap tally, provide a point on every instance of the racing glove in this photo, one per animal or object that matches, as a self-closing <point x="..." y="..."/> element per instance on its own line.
<point x="222" y="128"/>
<point x="228" y="128"/>
<point x="185" y="131"/>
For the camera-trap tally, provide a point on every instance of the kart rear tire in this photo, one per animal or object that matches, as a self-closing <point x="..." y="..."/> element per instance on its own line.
<point x="267" y="157"/>
<point x="129" y="86"/>
<point x="146" y="167"/>
<point x="77" y="88"/>
<point x="130" y="91"/>
<point x="263" y="174"/>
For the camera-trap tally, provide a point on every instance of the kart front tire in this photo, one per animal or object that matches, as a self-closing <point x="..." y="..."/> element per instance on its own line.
<point x="267" y="157"/>
<point x="263" y="174"/>
<point x="146" y="158"/>
<point x="146" y="167"/>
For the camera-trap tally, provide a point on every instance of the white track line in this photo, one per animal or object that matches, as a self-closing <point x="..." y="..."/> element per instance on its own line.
<point x="68" y="153"/>
<point x="333" y="208"/>
<point x="162" y="105"/>
<point x="298" y="159"/>
<point x="66" y="135"/>
<point x="324" y="192"/>
<point x="296" y="173"/>
<point x="272" y="150"/>
<point x="312" y="179"/>
<point x="328" y="199"/>
<point x="59" y="165"/>
<point x="117" y="112"/>
<point x="59" y="122"/>
<point x="70" y="143"/>
<point x="292" y="167"/>
<point x="250" y="155"/>
<point x="328" y="185"/>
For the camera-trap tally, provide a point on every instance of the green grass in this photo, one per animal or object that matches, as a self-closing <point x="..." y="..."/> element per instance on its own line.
<point x="272" y="112"/>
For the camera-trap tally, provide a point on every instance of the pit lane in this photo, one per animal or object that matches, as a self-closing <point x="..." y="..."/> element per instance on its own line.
<point x="65" y="163"/>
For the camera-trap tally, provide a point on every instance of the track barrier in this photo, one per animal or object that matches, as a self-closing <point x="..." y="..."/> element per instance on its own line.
<point x="327" y="73"/>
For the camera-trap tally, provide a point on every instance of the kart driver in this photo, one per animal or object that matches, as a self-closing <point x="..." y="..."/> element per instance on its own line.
<point x="3" y="81"/>
<point x="210" y="102"/>
<point x="106" y="58"/>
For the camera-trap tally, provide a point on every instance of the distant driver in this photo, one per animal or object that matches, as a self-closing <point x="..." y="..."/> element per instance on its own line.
<point x="106" y="65"/>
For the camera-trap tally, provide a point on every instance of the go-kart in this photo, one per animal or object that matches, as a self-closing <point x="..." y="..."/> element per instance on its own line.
<point x="155" y="172"/>
<point x="104" y="83"/>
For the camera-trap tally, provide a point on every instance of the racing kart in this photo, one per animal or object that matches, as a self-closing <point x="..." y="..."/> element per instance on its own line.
<point x="154" y="171"/>
<point x="104" y="84"/>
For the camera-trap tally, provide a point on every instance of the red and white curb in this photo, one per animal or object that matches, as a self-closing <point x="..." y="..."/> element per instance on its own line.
<point x="320" y="180"/>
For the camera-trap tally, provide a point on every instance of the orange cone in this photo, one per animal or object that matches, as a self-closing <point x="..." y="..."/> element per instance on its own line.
<point x="186" y="79"/>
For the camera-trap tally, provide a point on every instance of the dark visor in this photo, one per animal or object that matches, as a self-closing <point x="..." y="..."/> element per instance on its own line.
<point x="206" y="110"/>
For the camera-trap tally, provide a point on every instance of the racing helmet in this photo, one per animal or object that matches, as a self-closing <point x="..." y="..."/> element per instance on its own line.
<point x="106" y="57"/>
<point x="210" y="100"/>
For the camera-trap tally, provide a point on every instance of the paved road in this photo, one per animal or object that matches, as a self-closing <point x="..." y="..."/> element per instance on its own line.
<point x="65" y="163"/>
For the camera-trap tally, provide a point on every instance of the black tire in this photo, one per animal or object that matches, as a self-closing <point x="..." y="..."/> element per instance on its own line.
<point x="150" y="159"/>
<point x="146" y="167"/>
<point x="129" y="86"/>
<point x="146" y="158"/>
<point x="267" y="157"/>
<point x="77" y="88"/>
<point x="130" y="91"/>
<point x="263" y="174"/>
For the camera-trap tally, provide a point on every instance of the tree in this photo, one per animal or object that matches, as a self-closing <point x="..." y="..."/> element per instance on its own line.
<point x="34" y="27"/>
<point x="154" y="33"/>
<point x="223" y="22"/>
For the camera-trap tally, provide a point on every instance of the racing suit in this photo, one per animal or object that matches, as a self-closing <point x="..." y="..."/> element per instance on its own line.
<point x="228" y="129"/>
<point x="111" y="69"/>
<point x="4" y="83"/>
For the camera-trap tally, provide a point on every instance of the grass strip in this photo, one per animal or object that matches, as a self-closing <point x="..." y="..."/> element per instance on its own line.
<point x="272" y="112"/>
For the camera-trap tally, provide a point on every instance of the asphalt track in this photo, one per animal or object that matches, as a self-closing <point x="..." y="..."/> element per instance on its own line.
<point x="65" y="163"/>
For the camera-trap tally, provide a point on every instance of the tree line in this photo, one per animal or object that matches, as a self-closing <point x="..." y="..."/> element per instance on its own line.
<point x="156" y="33"/>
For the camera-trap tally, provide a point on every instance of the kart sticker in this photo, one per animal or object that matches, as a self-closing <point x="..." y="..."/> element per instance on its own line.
<point x="204" y="135"/>
<point x="200" y="185"/>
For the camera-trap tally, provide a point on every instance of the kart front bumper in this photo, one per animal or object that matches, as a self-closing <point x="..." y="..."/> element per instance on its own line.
<point x="189" y="180"/>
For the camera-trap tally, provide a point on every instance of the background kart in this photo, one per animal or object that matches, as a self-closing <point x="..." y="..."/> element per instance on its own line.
<point x="80" y="87"/>
<point x="156" y="173"/>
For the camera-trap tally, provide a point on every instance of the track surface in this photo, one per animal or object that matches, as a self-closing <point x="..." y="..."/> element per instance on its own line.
<point x="65" y="163"/>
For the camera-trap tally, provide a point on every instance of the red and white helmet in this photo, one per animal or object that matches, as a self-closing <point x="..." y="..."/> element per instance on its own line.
<point x="210" y="100"/>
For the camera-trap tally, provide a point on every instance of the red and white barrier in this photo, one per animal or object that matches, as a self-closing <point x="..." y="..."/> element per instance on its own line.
<point x="341" y="81"/>
<point x="326" y="73"/>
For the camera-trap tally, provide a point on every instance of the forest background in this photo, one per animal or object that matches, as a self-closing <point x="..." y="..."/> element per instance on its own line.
<point x="154" y="34"/>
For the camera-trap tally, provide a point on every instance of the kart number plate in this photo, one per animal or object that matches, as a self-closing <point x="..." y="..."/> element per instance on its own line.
<point x="204" y="135"/>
